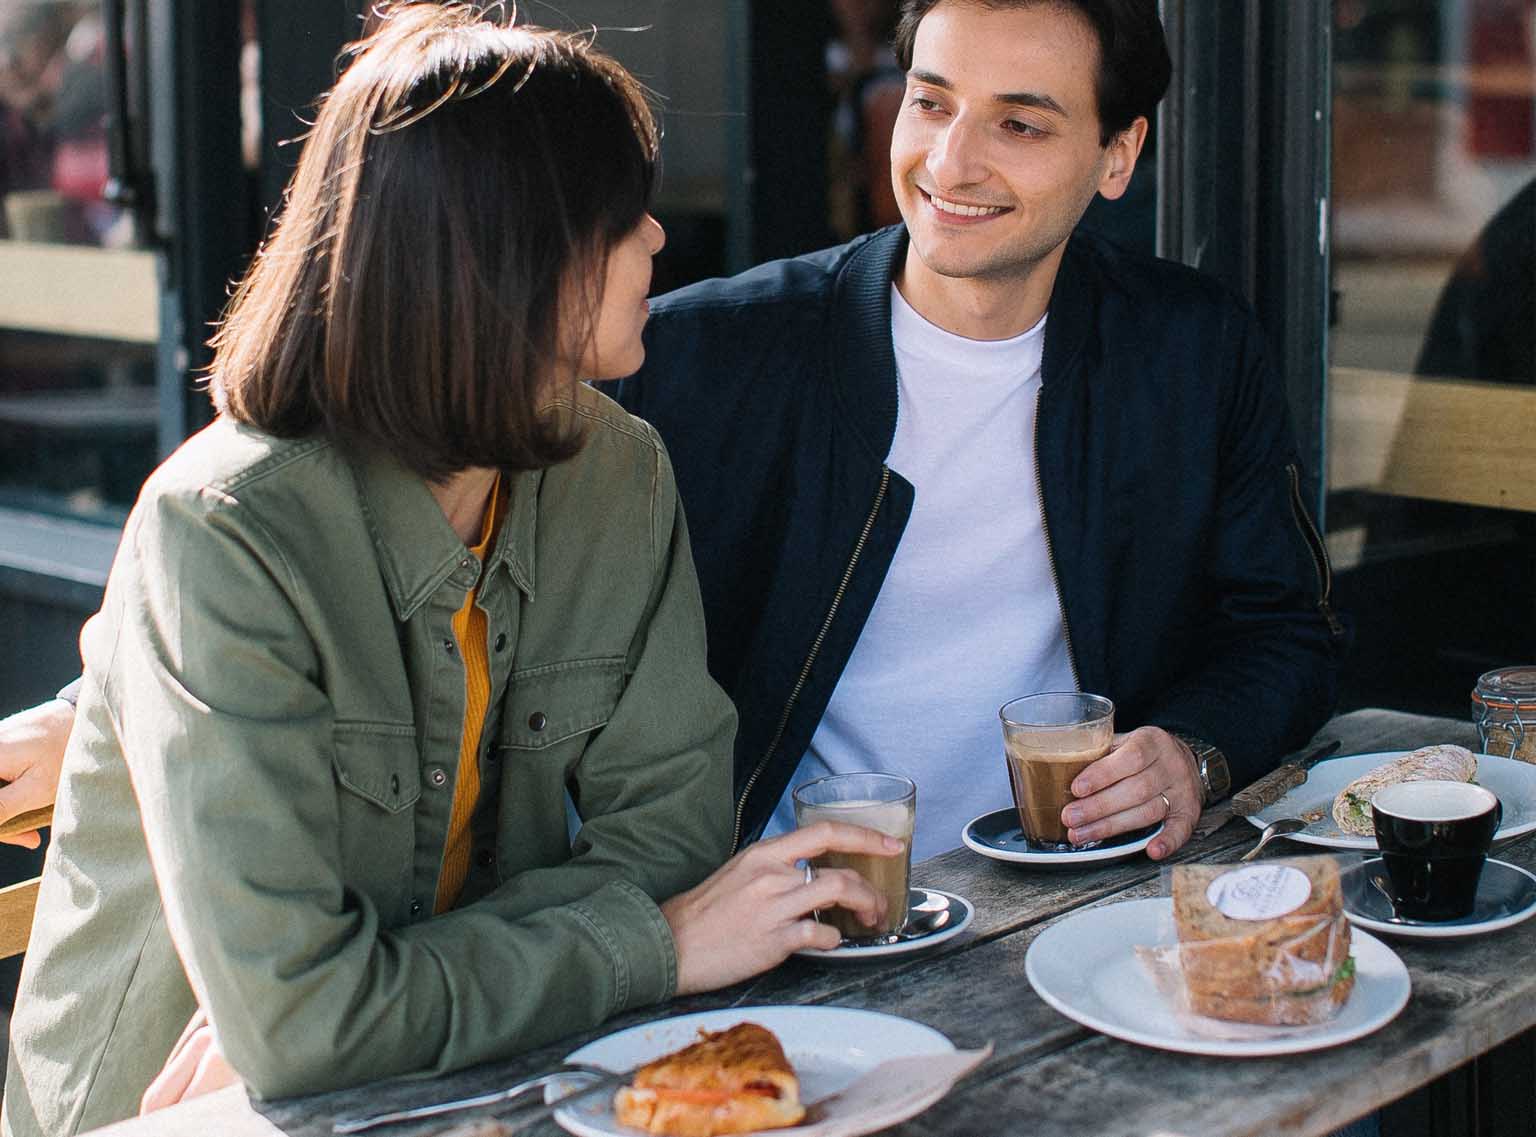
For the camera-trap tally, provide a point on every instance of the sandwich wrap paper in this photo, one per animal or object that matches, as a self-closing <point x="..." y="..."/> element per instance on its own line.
<point x="888" y="1094"/>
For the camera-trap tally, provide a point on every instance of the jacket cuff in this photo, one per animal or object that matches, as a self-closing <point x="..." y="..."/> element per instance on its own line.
<point x="638" y="941"/>
<point x="71" y="694"/>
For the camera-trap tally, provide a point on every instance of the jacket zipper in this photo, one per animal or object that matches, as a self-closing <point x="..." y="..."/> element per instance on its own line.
<point x="1318" y="549"/>
<point x="810" y="659"/>
<point x="1050" y="549"/>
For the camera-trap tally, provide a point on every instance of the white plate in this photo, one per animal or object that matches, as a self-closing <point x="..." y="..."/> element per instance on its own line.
<point x="1506" y="896"/>
<point x="997" y="835"/>
<point x="1514" y="783"/>
<point x="829" y="1047"/>
<point x="1086" y="968"/>
<point x="950" y="912"/>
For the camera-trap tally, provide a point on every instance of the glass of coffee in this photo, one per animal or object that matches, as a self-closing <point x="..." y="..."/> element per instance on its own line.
<point x="1434" y="837"/>
<point x="886" y="803"/>
<point x="1049" y="740"/>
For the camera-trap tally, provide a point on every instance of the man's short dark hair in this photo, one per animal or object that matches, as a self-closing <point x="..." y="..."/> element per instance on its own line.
<point x="441" y="244"/>
<point x="1134" y="67"/>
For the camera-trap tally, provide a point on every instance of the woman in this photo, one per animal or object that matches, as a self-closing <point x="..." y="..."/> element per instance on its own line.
<point x="367" y="631"/>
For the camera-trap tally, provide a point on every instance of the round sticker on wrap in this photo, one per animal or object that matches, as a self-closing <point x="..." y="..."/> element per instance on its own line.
<point x="1259" y="892"/>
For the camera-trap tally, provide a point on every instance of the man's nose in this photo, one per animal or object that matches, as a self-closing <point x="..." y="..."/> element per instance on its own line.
<point x="958" y="156"/>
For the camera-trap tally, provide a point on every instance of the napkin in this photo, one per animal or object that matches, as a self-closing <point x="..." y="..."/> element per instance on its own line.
<point x="888" y="1094"/>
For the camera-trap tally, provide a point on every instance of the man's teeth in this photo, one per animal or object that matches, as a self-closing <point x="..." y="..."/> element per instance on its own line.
<point x="964" y="210"/>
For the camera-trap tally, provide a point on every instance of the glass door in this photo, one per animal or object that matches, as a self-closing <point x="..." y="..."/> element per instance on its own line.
<point x="1432" y="383"/>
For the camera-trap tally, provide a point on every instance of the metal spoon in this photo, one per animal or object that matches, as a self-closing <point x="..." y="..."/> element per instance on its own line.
<point x="924" y="918"/>
<point x="1281" y="827"/>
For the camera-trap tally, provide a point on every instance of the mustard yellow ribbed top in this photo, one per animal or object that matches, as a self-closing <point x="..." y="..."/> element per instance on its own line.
<point x="469" y="628"/>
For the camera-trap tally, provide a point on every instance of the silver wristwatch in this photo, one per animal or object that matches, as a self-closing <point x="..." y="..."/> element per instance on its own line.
<point x="1211" y="765"/>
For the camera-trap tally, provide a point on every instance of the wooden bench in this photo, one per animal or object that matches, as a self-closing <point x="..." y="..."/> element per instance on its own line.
<point x="1453" y="440"/>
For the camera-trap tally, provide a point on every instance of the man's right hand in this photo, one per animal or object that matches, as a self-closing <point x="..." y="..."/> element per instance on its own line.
<point x="755" y="910"/>
<point x="31" y="753"/>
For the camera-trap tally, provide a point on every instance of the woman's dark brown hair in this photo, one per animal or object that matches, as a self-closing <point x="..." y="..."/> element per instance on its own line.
<point x="462" y="179"/>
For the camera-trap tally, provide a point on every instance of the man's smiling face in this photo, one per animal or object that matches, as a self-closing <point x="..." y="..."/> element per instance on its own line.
<point x="996" y="152"/>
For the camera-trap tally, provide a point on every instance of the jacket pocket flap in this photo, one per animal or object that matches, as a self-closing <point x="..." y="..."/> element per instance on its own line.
<point x="546" y="705"/>
<point x="378" y="762"/>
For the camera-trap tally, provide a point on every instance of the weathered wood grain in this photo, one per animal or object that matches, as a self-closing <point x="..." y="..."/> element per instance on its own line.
<point x="1050" y="1076"/>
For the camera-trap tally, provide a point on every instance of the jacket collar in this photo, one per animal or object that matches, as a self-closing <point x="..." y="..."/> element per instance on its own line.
<point x="864" y="360"/>
<point x="418" y="550"/>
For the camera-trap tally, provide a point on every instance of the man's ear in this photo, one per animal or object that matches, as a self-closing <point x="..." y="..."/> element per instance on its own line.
<point x="1120" y="159"/>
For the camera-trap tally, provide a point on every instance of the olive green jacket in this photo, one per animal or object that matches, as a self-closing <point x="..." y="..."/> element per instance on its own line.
<point x="274" y="697"/>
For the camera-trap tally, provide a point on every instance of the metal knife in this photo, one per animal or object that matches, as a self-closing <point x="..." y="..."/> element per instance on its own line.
<point x="1276" y="784"/>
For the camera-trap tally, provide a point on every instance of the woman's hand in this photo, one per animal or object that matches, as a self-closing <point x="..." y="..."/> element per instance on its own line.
<point x="756" y="909"/>
<point x="31" y="753"/>
<point x="196" y="1066"/>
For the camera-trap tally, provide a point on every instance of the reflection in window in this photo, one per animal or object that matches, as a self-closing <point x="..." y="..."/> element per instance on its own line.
<point x="1432" y="514"/>
<point x="77" y="301"/>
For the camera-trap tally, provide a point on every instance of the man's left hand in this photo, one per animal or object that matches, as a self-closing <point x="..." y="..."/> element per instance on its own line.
<point x="1125" y="790"/>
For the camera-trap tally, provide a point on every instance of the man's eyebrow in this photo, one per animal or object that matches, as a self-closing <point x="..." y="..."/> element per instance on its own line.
<point x="1035" y="99"/>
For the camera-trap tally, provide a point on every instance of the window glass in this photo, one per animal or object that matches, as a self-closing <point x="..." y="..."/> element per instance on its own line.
<point x="78" y="300"/>
<point x="1433" y="380"/>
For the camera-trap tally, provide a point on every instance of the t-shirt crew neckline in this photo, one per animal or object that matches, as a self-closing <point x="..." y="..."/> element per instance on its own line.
<point x="920" y="336"/>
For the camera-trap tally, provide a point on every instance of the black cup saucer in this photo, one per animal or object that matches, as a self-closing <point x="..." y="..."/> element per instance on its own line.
<point x="1506" y="895"/>
<point x="997" y="835"/>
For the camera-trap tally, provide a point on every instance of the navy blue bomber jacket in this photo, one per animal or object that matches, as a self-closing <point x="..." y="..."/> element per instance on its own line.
<point x="1194" y="585"/>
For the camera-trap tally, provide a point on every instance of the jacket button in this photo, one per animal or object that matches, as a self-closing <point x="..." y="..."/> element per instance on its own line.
<point x="394" y="784"/>
<point x="501" y="642"/>
<point x="437" y="776"/>
<point x="448" y="646"/>
<point x="415" y="907"/>
<point x="485" y="858"/>
<point x="537" y="721"/>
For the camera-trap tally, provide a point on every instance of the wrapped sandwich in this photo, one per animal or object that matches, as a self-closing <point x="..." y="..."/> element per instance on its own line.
<point x="730" y="1081"/>
<point x="1265" y="943"/>
<point x="1352" y="808"/>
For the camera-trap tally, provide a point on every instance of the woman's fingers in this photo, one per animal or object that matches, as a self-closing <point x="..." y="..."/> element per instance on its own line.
<point x="170" y="1085"/>
<point x="829" y="837"/>
<point x="839" y="888"/>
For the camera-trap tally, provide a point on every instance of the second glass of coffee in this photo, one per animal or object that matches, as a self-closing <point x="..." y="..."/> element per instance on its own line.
<point x="1050" y="739"/>
<point x="886" y="803"/>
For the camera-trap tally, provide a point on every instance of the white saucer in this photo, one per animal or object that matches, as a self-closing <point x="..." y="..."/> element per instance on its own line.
<point x="997" y="835"/>
<point x="945" y="914"/>
<point x="1506" y="896"/>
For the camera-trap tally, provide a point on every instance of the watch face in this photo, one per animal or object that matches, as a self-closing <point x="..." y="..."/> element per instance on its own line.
<point x="1213" y="769"/>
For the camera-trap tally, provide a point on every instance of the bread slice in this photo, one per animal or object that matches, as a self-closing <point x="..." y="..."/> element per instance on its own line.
<point x="1352" y="806"/>
<point x="730" y="1081"/>
<point x="1303" y="1008"/>
<point x="1282" y="969"/>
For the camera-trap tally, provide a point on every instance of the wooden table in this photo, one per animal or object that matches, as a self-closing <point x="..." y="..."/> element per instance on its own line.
<point x="1049" y="1076"/>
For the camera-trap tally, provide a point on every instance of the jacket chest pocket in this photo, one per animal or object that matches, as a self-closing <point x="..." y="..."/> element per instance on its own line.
<point x="378" y="779"/>
<point x="550" y="710"/>
<point x="549" y="716"/>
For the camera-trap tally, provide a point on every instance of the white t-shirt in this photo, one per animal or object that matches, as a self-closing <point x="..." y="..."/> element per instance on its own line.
<point x="968" y="616"/>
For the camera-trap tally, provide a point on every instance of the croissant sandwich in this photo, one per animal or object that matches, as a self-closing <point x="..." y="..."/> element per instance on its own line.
<point x="730" y="1081"/>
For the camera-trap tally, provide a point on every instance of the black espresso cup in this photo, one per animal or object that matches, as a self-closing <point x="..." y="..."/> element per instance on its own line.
<point x="1434" y="838"/>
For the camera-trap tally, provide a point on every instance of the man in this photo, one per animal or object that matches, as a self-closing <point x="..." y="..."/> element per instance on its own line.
<point x="977" y="455"/>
